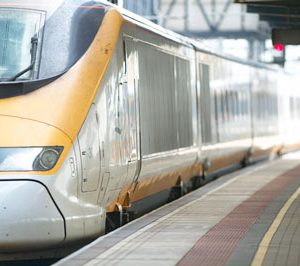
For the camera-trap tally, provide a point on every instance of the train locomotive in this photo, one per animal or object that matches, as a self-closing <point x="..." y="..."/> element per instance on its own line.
<point x="104" y="115"/>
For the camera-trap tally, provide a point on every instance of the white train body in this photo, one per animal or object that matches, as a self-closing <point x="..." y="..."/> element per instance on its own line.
<point x="122" y="114"/>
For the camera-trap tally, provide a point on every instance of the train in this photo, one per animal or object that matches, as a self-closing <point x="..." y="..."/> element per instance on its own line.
<point x="105" y="115"/>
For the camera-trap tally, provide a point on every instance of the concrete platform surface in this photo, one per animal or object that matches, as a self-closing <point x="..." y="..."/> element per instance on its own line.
<point x="250" y="217"/>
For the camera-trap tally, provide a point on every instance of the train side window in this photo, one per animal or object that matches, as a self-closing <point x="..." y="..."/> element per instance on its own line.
<point x="223" y="107"/>
<point x="224" y="114"/>
<point x="227" y="105"/>
<point x="237" y="102"/>
<point x="157" y="100"/>
<point x="184" y="103"/>
<point x="205" y="104"/>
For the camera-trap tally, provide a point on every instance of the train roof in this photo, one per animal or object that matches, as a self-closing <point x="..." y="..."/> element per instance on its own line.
<point x="135" y="19"/>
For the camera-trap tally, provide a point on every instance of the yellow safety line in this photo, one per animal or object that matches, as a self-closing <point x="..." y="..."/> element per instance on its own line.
<point x="264" y="244"/>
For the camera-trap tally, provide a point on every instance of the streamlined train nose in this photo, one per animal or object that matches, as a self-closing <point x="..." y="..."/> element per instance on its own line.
<point x="29" y="217"/>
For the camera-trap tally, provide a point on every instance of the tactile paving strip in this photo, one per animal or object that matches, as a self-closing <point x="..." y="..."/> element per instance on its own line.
<point x="216" y="246"/>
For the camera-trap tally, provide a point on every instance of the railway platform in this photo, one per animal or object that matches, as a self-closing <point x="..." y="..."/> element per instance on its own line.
<point x="250" y="217"/>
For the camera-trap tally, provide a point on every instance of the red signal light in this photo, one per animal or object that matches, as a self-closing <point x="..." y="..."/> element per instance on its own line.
<point x="279" y="47"/>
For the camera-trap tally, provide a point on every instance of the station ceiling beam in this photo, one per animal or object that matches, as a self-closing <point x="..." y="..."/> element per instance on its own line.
<point x="270" y="2"/>
<point x="283" y="17"/>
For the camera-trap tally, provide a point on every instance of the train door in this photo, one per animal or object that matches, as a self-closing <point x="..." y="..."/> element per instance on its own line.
<point x="88" y="139"/>
<point x="131" y="72"/>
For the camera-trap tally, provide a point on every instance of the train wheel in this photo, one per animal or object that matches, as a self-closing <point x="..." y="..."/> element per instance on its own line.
<point x="178" y="191"/>
<point x="117" y="218"/>
<point x="199" y="181"/>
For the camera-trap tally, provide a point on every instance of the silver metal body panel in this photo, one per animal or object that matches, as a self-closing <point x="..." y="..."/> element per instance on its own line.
<point x="29" y="217"/>
<point x="46" y="204"/>
<point x="229" y="125"/>
<point x="289" y="104"/>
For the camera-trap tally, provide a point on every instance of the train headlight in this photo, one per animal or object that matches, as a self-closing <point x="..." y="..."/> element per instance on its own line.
<point x="47" y="158"/>
<point x="29" y="158"/>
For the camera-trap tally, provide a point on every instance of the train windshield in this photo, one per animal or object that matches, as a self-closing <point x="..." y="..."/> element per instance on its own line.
<point x="41" y="39"/>
<point x="20" y="32"/>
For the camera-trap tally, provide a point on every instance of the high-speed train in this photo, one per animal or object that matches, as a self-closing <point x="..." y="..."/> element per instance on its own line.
<point x="104" y="115"/>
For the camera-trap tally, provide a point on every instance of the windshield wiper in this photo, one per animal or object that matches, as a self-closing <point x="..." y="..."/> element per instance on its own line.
<point x="33" y="51"/>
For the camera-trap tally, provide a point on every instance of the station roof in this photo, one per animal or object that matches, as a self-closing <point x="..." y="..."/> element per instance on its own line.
<point x="283" y="16"/>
